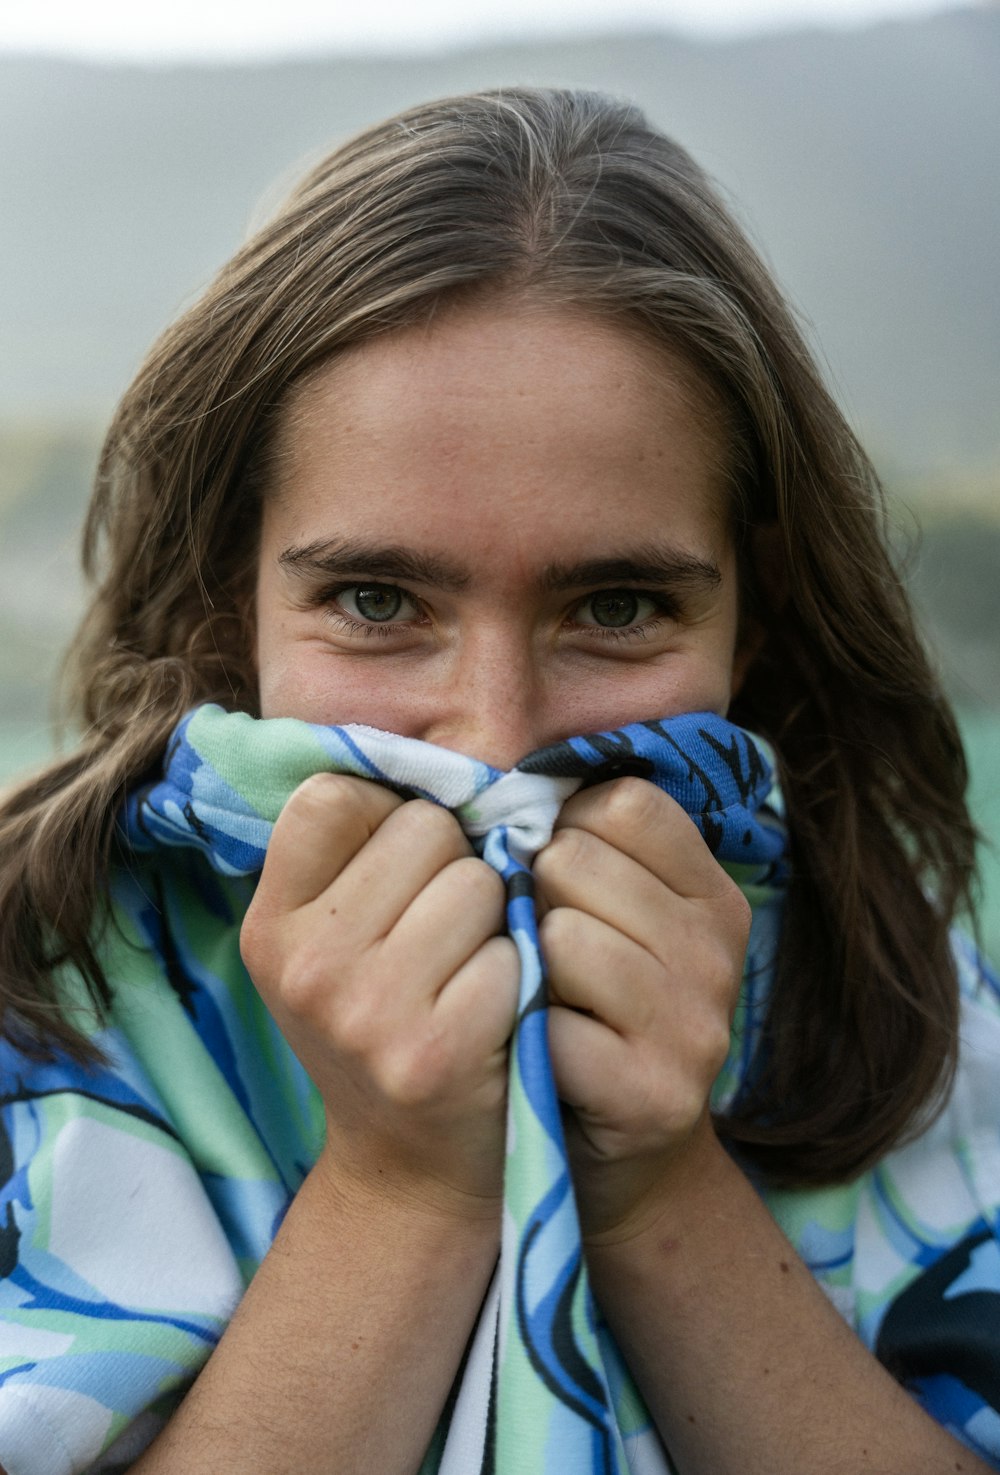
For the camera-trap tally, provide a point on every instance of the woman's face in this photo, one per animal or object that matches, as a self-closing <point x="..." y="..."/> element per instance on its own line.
<point x="494" y="531"/>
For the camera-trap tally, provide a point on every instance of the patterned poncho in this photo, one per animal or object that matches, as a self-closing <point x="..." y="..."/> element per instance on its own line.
<point x="140" y="1196"/>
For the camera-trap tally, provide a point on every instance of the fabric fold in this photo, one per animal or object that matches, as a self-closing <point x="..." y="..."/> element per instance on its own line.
<point x="548" y="1400"/>
<point x="116" y="1286"/>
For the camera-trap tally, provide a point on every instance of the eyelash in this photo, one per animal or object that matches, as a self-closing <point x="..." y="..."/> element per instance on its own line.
<point x="665" y="609"/>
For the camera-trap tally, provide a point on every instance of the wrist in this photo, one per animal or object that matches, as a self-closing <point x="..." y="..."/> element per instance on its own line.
<point x="669" y="1197"/>
<point x="383" y="1194"/>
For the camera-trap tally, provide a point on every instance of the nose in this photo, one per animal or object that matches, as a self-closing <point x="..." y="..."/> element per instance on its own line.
<point x="498" y="736"/>
<point x="493" y="710"/>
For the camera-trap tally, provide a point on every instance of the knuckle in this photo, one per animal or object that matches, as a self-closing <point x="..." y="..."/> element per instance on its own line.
<point x="498" y="964"/>
<point x="566" y="851"/>
<point x="302" y="987"/>
<point x="718" y="970"/>
<point x="337" y="800"/>
<point x="253" y="940"/>
<point x="410" y="1074"/>
<point x="715" y="1046"/>
<point x="556" y="930"/>
<point x="355" y="1028"/>
<point x="632" y="801"/>
<point x="730" y="916"/>
<point x="740" y="911"/>
<point x="481" y="884"/>
<point x="435" y="824"/>
<point x="320" y="791"/>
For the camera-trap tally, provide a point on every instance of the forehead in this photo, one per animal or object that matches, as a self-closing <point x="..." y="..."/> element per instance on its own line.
<point x="501" y="410"/>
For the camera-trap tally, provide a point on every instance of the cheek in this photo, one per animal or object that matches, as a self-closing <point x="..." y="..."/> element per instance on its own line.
<point x="306" y="680"/>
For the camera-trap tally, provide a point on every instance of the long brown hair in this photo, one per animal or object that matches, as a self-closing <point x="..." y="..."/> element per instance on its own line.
<point x="575" y="198"/>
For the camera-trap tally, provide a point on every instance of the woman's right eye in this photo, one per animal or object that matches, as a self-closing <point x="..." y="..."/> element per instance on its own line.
<point x="377" y="604"/>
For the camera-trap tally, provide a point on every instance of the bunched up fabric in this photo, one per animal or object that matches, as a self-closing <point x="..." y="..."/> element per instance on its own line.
<point x="139" y="1195"/>
<point x="542" y="1389"/>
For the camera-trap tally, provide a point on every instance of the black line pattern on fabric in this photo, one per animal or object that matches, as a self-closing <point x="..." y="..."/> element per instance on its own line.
<point x="196" y="825"/>
<point x="128" y="1108"/>
<point x="162" y="939"/>
<point x="711" y="828"/>
<point x="558" y="760"/>
<point x="520" y="883"/>
<point x="747" y="768"/>
<point x="612" y="768"/>
<point x="539" y="999"/>
<point x="930" y="1328"/>
<point x="10" y="1234"/>
<point x="611" y="745"/>
<point x="569" y="1357"/>
<point x="713" y="799"/>
<point x="489" y="1462"/>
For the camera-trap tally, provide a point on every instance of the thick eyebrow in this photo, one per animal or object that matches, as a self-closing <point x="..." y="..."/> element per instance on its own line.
<point x="650" y="565"/>
<point x="672" y="567"/>
<point x="375" y="561"/>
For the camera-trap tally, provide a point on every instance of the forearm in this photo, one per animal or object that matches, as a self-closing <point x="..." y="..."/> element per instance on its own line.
<point x="342" y="1353"/>
<point x="745" y="1365"/>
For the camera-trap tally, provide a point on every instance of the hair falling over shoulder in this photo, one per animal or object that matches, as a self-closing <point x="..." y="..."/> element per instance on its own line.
<point x="573" y="199"/>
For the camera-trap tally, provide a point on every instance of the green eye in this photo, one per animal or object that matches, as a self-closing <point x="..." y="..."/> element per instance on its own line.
<point x="375" y="601"/>
<point x="615" y="608"/>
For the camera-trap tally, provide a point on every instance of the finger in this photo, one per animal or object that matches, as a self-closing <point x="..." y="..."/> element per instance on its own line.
<point x="457" y="1047"/>
<point x="583" y="871"/>
<point x="589" y="1062"/>
<point x="592" y="968"/>
<point x="325" y="823"/>
<point x="642" y="821"/>
<point x="444" y="925"/>
<point x="412" y="846"/>
<point x="478" y="1005"/>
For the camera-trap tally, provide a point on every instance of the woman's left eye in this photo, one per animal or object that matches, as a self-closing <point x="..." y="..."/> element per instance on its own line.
<point x="616" y="609"/>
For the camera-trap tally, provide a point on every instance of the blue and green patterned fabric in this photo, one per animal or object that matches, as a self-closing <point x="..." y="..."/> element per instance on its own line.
<point x="140" y="1196"/>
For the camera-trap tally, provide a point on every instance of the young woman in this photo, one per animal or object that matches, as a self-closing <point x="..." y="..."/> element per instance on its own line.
<point x="498" y="434"/>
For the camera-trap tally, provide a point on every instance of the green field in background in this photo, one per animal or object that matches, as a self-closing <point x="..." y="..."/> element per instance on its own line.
<point x="24" y="744"/>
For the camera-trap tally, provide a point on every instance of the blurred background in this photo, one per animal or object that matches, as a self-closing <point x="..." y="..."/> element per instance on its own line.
<point x="858" y="140"/>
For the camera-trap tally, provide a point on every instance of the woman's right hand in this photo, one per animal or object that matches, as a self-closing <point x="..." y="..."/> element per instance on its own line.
<point x="373" y="939"/>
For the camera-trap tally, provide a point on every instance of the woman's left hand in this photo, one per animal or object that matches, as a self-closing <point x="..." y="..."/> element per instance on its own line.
<point x="644" y="937"/>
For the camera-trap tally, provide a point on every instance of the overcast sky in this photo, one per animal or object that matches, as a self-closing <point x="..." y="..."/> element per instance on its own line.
<point x="174" y="29"/>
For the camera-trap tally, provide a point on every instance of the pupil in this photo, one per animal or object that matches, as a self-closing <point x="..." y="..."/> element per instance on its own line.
<point x="618" y="607"/>
<point x="378" y="602"/>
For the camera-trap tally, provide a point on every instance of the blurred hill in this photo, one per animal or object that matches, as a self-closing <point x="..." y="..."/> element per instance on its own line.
<point x="866" y="161"/>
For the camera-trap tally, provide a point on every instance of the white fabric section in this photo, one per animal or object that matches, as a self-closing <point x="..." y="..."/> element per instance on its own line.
<point x="31" y="1343"/>
<point x="877" y="1262"/>
<point x="453" y="778"/>
<point x="526" y="804"/>
<point x="103" y="1179"/>
<point x="465" y="1445"/>
<point x="843" y="1299"/>
<point x="973" y="1100"/>
<point x="928" y="1178"/>
<point x="29" y="1444"/>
